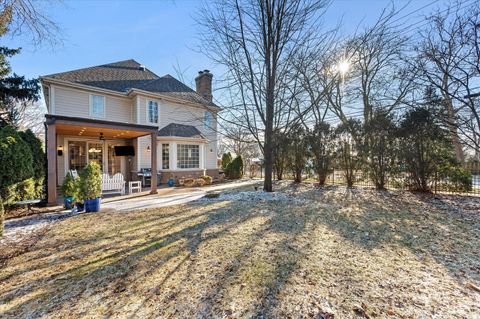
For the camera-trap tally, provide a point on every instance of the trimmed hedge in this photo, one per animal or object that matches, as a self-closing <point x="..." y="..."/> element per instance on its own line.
<point x="15" y="157"/>
<point x="22" y="169"/>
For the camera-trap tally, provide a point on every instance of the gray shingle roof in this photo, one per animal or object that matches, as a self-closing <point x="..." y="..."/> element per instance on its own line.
<point x="125" y="75"/>
<point x="180" y="130"/>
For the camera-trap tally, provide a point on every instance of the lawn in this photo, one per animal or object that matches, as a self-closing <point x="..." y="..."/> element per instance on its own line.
<point x="303" y="252"/>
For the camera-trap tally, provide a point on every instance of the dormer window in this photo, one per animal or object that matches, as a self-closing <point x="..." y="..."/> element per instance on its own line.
<point x="152" y="110"/>
<point x="97" y="106"/>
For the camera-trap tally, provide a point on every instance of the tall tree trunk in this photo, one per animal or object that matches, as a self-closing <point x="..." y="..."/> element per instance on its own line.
<point x="268" y="150"/>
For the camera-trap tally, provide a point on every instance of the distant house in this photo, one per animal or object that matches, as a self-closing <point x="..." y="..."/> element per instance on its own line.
<point x="93" y="112"/>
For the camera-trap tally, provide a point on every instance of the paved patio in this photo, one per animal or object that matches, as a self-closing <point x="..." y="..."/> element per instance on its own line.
<point x="168" y="196"/>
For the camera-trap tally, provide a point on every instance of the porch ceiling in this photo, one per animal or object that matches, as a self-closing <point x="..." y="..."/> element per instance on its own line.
<point x="89" y="131"/>
<point x="66" y="125"/>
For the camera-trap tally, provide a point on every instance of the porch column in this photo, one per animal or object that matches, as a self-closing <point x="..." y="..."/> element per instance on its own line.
<point x="52" y="164"/>
<point x="153" y="152"/>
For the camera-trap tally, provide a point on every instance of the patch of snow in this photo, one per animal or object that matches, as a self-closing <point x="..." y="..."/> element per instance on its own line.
<point x="252" y="196"/>
<point x="20" y="228"/>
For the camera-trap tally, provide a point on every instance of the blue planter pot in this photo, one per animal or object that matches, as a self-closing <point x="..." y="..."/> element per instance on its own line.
<point x="80" y="207"/>
<point x="92" y="205"/>
<point x="171" y="182"/>
<point x="67" y="202"/>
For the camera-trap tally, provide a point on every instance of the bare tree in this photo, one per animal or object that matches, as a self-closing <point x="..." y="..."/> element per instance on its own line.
<point x="30" y="18"/>
<point x="448" y="59"/>
<point x="257" y="42"/>
<point x="239" y="140"/>
<point x="29" y="115"/>
<point x="368" y="72"/>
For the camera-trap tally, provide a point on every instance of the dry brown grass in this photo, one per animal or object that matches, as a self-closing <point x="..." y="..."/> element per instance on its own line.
<point x="352" y="254"/>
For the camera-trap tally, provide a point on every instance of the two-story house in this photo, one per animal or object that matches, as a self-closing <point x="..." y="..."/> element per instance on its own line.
<point x="111" y="114"/>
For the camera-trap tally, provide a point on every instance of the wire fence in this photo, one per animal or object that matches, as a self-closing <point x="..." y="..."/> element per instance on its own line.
<point x="403" y="181"/>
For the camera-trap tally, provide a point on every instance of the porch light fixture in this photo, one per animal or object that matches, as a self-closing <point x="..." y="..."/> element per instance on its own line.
<point x="60" y="150"/>
<point x="101" y="138"/>
<point x="148" y="148"/>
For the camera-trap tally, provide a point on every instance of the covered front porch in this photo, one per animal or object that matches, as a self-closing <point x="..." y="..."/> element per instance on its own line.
<point x="72" y="142"/>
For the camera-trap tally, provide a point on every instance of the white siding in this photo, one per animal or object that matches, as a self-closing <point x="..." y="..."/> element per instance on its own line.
<point x="71" y="102"/>
<point x="76" y="103"/>
<point x="118" y="110"/>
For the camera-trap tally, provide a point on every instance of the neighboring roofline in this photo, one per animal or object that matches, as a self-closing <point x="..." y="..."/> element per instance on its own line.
<point x="48" y="80"/>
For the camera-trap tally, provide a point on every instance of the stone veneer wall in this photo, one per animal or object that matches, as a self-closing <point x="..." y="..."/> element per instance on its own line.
<point x="189" y="174"/>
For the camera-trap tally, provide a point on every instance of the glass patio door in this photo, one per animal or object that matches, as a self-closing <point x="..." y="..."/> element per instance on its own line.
<point x="103" y="153"/>
<point x="114" y="162"/>
<point x="77" y="155"/>
<point x="95" y="153"/>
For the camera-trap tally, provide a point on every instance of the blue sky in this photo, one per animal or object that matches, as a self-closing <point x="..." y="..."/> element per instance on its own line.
<point x="159" y="34"/>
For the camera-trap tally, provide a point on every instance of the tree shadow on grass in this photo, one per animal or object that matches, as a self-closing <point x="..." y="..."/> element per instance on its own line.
<point x="374" y="219"/>
<point x="97" y="274"/>
<point x="222" y="259"/>
<point x="76" y="247"/>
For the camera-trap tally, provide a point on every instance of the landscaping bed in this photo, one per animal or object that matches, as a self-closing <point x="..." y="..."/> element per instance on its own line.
<point x="301" y="252"/>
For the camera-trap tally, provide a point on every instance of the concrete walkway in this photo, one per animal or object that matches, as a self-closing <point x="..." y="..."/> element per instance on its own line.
<point x="171" y="196"/>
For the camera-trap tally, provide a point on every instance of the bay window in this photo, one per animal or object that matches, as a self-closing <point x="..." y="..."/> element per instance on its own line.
<point x="188" y="156"/>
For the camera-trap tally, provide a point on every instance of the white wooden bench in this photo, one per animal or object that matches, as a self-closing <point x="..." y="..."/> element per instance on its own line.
<point x="113" y="184"/>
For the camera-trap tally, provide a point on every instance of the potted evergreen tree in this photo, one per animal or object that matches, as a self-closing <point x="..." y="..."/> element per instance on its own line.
<point x="69" y="191"/>
<point x="90" y="186"/>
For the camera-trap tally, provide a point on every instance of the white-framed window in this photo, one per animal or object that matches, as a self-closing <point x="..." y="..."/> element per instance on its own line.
<point x="152" y="112"/>
<point x="97" y="105"/>
<point x="208" y="120"/>
<point x="165" y="156"/>
<point x="188" y="156"/>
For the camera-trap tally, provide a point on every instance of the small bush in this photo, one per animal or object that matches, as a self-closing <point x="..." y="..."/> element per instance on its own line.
<point x="226" y="159"/>
<point x="24" y="190"/>
<point x="90" y="184"/>
<point x="235" y="168"/>
<point x="69" y="186"/>
<point x="200" y="182"/>
<point x="207" y="179"/>
<point x="189" y="182"/>
<point x="459" y="180"/>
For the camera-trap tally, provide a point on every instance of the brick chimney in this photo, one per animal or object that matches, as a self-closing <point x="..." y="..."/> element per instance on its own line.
<point x="204" y="84"/>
